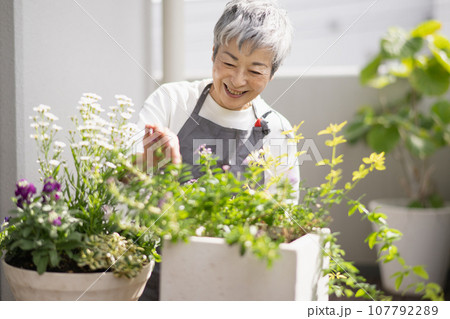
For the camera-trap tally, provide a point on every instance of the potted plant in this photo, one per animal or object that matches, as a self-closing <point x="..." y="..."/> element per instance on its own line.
<point x="65" y="242"/>
<point x="219" y="210"/>
<point x="412" y="129"/>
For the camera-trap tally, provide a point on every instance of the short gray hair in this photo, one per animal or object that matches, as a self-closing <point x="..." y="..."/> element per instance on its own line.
<point x="263" y="23"/>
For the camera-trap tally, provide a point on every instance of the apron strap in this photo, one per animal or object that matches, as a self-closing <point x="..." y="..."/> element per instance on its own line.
<point x="201" y="99"/>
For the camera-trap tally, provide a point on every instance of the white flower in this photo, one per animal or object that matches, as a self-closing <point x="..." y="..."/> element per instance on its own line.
<point x="85" y="158"/>
<point x="111" y="165"/>
<point x="53" y="162"/>
<point x="34" y="125"/>
<point x="82" y="108"/>
<point x="86" y="100"/>
<point x="44" y="137"/>
<point x="104" y="144"/>
<point x="106" y="131"/>
<point x="43" y="123"/>
<point x="122" y="97"/>
<point x="111" y="115"/>
<point x="59" y="144"/>
<point x="97" y="107"/>
<point x="199" y="231"/>
<point x="75" y="145"/>
<point x="125" y="115"/>
<point x="34" y="136"/>
<point x="41" y="108"/>
<point x="56" y="127"/>
<point x="113" y="108"/>
<point x="51" y="116"/>
<point x="131" y="110"/>
<point x="92" y="96"/>
<point x="83" y="143"/>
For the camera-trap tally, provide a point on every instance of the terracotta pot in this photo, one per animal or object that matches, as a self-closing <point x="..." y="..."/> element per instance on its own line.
<point x="209" y="269"/>
<point x="29" y="285"/>
<point x="425" y="241"/>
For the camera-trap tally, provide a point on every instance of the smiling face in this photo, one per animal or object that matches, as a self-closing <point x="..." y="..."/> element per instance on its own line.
<point x="240" y="75"/>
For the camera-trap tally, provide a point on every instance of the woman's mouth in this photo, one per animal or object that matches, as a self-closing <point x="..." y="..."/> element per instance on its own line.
<point x="233" y="93"/>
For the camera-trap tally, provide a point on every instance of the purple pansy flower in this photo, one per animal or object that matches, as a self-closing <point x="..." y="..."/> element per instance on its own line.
<point x="24" y="192"/>
<point x="50" y="186"/>
<point x="57" y="221"/>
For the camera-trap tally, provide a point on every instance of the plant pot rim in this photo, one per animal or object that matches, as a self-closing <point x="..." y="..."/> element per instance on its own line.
<point x="62" y="274"/>
<point x="220" y="240"/>
<point x="402" y="203"/>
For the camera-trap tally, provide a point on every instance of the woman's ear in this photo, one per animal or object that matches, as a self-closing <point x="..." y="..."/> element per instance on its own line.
<point x="212" y="56"/>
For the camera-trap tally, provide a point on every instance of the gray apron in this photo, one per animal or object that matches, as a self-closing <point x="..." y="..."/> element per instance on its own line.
<point x="231" y="146"/>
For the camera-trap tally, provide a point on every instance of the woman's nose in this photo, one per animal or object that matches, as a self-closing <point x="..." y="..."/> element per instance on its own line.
<point x="238" y="79"/>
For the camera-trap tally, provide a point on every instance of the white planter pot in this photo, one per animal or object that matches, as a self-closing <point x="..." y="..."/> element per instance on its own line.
<point x="29" y="285"/>
<point x="425" y="241"/>
<point x="209" y="269"/>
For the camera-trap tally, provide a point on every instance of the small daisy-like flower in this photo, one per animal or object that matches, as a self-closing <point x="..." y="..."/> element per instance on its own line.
<point x="53" y="162"/>
<point x="114" y="108"/>
<point x="51" y="116"/>
<point x="110" y="165"/>
<point x="131" y="110"/>
<point x="83" y="143"/>
<point x="56" y="127"/>
<point x="97" y="107"/>
<point x="82" y="108"/>
<point x="122" y="97"/>
<point x="34" y="125"/>
<point x="85" y="158"/>
<point x="125" y="115"/>
<point x="111" y="115"/>
<point x="34" y="136"/>
<point x="59" y="144"/>
<point x="43" y="123"/>
<point x="86" y="100"/>
<point x="92" y="96"/>
<point x="41" y="108"/>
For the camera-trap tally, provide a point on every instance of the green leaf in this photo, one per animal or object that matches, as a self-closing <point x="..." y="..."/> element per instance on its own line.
<point x="382" y="139"/>
<point x="370" y="71"/>
<point x="426" y="28"/>
<point x="381" y="81"/>
<point x="398" y="282"/>
<point x="442" y="110"/>
<point x="440" y="42"/>
<point x="420" y="271"/>
<point x="355" y="130"/>
<point x="419" y="146"/>
<point x="372" y="239"/>
<point x="360" y="293"/>
<point x="352" y="210"/>
<point x="398" y="44"/>
<point x="40" y="261"/>
<point x="54" y="258"/>
<point x="433" y="79"/>
<point x="441" y="56"/>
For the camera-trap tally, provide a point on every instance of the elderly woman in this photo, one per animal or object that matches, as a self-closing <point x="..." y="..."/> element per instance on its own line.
<point x="251" y="39"/>
<point x="226" y="113"/>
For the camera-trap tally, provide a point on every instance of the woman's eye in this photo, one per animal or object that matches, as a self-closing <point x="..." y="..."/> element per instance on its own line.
<point x="256" y="72"/>
<point x="228" y="64"/>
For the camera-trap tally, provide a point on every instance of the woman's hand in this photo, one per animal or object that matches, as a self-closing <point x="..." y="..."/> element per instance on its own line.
<point x="160" y="138"/>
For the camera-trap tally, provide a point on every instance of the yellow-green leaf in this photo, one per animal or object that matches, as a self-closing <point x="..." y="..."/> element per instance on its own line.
<point x="360" y="293"/>
<point x="420" y="271"/>
<point x="426" y="28"/>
